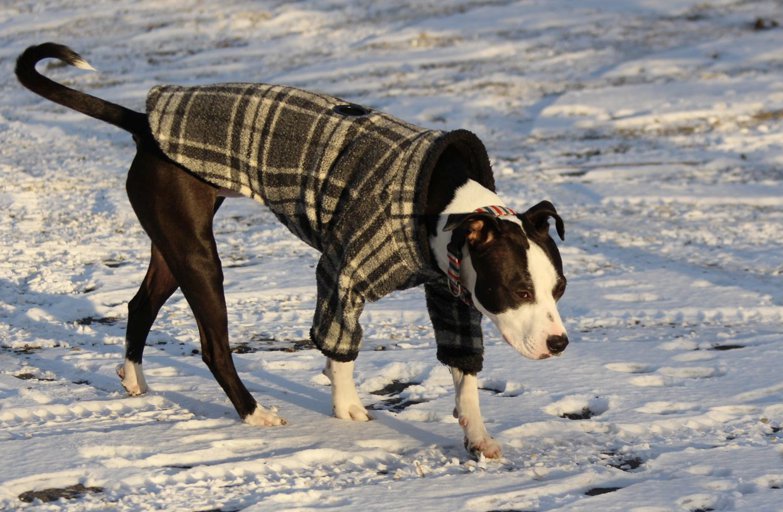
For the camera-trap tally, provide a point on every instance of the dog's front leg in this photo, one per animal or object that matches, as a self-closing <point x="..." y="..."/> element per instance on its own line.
<point x="477" y="439"/>
<point x="345" y="399"/>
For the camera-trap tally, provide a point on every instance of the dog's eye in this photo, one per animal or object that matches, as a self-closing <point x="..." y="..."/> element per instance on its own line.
<point x="525" y="295"/>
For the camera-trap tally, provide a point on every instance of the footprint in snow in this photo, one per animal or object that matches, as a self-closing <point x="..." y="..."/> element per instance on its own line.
<point x="501" y="387"/>
<point x="578" y="407"/>
<point x="773" y="481"/>
<point x="627" y="462"/>
<point x="617" y="283"/>
<point x="53" y="494"/>
<point x="652" y="381"/>
<point x="398" y="400"/>
<point x="664" y="408"/>
<point x="672" y="376"/>
<point x="703" y="502"/>
<point x="629" y="367"/>
<point x="625" y="296"/>
<point x="632" y="297"/>
<point x="692" y="372"/>
<point x="88" y="410"/>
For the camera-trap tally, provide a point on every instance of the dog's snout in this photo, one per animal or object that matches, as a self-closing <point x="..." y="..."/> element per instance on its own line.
<point x="557" y="344"/>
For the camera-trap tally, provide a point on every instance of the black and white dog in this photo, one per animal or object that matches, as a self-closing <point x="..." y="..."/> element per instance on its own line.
<point x="475" y="256"/>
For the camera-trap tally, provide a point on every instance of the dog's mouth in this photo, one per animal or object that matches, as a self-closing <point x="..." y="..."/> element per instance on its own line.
<point x="527" y="353"/>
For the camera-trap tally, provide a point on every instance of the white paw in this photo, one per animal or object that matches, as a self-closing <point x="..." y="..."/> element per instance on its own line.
<point x="486" y="446"/>
<point x="132" y="378"/>
<point x="346" y="403"/>
<point x="354" y="411"/>
<point x="263" y="417"/>
<point x="478" y="442"/>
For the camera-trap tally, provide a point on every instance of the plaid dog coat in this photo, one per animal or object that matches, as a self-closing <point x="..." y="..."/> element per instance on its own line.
<point x="349" y="181"/>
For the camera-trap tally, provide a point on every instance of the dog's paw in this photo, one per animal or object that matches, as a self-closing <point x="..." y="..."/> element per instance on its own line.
<point x="263" y="417"/>
<point x="487" y="447"/>
<point x="478" y="442"/>
<point x="132" y="378"/>
<point x="352" y="411"/>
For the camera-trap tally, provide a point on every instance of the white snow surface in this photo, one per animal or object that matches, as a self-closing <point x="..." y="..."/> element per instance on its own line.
<point x="656" y="127"/>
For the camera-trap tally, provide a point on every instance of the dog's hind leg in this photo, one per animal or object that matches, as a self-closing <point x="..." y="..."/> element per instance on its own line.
<point x="157" y="287"/>
<point x="176" y="211"/>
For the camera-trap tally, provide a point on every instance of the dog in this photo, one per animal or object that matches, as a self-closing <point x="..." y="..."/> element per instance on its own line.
<point x="388" y="204"/>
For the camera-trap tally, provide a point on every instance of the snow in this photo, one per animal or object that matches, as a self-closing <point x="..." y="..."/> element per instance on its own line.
<point x="656" y="127"/>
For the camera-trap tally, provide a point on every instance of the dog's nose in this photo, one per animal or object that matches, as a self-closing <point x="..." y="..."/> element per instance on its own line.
<point x="557" y="344"/>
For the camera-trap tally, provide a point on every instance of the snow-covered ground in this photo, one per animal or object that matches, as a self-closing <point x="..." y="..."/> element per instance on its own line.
<point x="656" y="127"/>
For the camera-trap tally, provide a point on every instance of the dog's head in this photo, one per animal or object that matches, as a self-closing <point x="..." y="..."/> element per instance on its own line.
<point x="515" y="276"/>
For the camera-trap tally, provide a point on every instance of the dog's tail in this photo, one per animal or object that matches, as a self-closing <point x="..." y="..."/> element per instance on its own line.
<point x="112" y="113"/>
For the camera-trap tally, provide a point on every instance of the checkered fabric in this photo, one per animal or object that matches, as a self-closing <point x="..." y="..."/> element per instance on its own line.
<point x="348" y="180"/>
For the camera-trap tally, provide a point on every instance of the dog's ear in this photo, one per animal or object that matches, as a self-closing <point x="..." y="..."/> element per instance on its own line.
<point x="538" y="216"/>
<point x="478" y="228"/>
